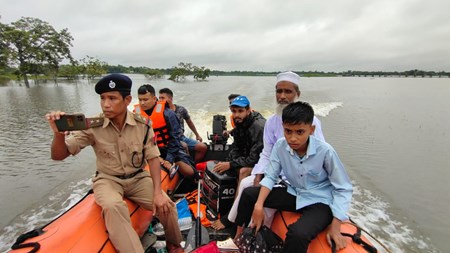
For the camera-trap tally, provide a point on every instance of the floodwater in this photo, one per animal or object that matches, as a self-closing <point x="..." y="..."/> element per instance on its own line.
<point x="392" y="134"/>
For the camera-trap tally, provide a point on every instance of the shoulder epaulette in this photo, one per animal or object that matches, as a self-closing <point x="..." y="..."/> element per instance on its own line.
<point x="95" y="122"/>
<point x="141" y="119"/>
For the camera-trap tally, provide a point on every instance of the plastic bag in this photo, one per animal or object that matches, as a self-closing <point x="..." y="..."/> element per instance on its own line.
<point x="265" y="241"/>
<point x="207" y="248"/>
<point x="184" y="215"/>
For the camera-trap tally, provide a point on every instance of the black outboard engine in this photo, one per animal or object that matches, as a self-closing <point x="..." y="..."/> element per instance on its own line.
<point x="219" y="125"/>
<point x="218" y="148"/>
<point x="218" y="190"/>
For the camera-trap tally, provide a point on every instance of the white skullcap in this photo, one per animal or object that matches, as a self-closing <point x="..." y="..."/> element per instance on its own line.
<point x="288" y="76"/>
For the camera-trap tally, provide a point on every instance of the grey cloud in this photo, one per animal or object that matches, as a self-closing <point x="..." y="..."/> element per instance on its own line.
<point x="253" y="35"/>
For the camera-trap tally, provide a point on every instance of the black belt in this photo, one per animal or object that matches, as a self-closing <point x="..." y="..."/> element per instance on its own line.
<point x="130" y="175"/>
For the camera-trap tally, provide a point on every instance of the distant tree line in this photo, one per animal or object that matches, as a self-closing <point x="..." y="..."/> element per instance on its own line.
<point x="32" y="48"/>
<point x="409" y="73"/>
<point x="177" y="73"/>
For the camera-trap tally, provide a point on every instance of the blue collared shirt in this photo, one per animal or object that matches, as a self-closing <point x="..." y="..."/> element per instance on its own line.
<point x="317" y="177"/>
<point x="273" y="130"/>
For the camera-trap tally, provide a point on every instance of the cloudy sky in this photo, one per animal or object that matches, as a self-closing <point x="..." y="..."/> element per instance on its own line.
<point x="260" y="35"/>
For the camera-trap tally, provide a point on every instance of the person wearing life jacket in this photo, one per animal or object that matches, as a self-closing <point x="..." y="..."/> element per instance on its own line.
<point x="167" y="131"/>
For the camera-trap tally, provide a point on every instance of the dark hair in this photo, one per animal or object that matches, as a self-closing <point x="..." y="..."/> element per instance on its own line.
<point x="233" y="96"/>
<point x="235" y="106"/>
<point x="166" y="91"/>
<point x="124" y="94"/>
<point x="146" y="88"/>
<point x="298" y="113"/>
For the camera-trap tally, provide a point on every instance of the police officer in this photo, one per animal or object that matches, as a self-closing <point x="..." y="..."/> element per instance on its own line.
<point x="121" y="141"/>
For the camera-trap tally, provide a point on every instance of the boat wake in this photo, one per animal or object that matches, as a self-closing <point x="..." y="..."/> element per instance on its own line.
<point x="373" y="214"/>
<point x="43" y="213"/>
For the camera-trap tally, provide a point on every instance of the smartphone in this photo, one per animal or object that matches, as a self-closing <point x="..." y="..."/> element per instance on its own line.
<point x="71" y="122"/>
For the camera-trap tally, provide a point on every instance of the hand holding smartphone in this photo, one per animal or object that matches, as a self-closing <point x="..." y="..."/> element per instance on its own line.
<point x="71" y="122"/>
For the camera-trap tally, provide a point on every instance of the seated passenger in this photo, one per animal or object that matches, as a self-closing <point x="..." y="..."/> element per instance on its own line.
<point x="167" y="130"/>
<point x="287" y="91"/>
<point x="197" y="145"/>
<point x="231" y="97"/>
<point x="120" y="174"/>
<point x="319" y="187"/>
<point x="247" y="144"/>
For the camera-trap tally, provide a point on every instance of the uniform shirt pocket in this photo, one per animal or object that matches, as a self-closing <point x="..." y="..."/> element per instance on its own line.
<point x="107" y="154"/>
<point x="135" y="153"/>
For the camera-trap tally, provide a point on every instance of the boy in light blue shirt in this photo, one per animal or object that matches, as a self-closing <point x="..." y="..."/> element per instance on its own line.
<point x="319" y="187"/>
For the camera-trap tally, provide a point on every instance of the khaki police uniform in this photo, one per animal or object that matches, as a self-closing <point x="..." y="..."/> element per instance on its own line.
<point x="118" y="177"/>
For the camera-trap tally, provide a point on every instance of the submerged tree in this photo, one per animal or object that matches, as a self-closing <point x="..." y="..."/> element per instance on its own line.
<point x="201" y="73"/>
<point x="179" y="72"/>
<point x="154" y="73"/>
<point x="92" y="67"/>
<point x="32" y="43"/>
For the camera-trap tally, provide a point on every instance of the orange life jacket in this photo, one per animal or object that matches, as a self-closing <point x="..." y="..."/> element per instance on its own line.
<point x="203" y="219"/>
<point x="191" y="198"/>
<point x="232" y="121"/>
<point x="159" y="124"/>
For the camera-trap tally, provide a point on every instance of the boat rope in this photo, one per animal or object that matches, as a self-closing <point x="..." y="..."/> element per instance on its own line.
<point x="356" y="238"/>
<point x="23" y="237"/>
<point x="351" y="222"/>
<point x="38" y="231"/>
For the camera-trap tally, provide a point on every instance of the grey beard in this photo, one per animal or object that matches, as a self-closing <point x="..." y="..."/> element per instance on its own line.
<point x="279" y="107"/>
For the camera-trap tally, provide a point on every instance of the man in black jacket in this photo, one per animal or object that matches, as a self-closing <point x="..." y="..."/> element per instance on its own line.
<point x="248" y="142"/>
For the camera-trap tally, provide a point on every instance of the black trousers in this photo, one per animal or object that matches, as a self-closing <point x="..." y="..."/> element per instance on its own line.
<point x="315" y="218"/>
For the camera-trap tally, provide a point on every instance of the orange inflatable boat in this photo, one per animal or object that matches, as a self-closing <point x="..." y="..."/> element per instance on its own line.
<point x="356" y="243"/>
<point x="81" y="229"/>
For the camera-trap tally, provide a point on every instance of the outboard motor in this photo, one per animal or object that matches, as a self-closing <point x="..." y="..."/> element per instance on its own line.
<point x="219" y="125"/>
<point x="218" y="190"/>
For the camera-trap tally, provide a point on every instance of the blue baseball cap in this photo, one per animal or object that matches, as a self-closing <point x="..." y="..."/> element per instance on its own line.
<point x="241" y="101"/>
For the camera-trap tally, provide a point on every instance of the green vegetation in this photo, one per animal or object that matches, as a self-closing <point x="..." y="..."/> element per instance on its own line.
<point x="32" y="48"/>
<point x="201" y="73"/>
<point x="179" y="73"/>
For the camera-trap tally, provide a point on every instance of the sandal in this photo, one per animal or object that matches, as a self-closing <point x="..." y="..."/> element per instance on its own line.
<point x="227" y="245"/>
<point x="173" y="170"/>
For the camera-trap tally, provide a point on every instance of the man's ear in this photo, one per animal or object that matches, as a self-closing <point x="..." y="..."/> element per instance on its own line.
<point x="313" y="128"/>
<point x="128" y="99"/>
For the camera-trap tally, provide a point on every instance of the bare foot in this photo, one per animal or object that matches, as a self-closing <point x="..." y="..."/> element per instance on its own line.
<point x="171" y="248"/>
<point x="217" y="225"/>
